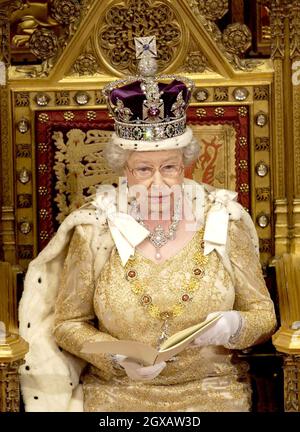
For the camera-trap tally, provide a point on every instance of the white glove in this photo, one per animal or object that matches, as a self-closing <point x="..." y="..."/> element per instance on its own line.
<point x="226" y="328"/>
<point x="137" y="372"/>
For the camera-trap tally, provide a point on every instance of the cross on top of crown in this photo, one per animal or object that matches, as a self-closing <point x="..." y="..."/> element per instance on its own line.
<point x="145" y="47"/>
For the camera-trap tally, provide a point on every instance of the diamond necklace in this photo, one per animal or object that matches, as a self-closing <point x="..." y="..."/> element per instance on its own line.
<point x="158" y="237"/>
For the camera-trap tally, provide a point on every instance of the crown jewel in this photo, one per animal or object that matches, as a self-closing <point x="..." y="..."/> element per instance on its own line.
<point x="149" y="110"/>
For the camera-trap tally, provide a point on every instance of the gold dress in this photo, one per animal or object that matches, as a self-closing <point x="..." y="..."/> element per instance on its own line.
<point x="131" y="303"/>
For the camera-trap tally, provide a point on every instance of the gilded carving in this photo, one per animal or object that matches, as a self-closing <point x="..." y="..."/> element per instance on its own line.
<point x="65" y="11"/>
<point x="292" y="383"/>
<point x="278" y="125"/>
<point x="262" y="143"/>
<point x="195" y="62"/>
<point x="138" y="18"/>
<point x="86" y="64"/>
<point x="62" y="98"/>
<point x="44" y="44"/>
<point x="24" y="200"/>
<point x="6" y="9"/>
<point x="237" y="38"/>
<point x="44" y="29"/>
<point x="296" y="118"/>
<point x="23" y="150"/>
<point x="9" y="386"/>
<point x="221" y="94"/>
<point x="261" y="93"/>
<point x="294" y="20"/>
<point x="85" y="6"/>
<point x="5" y="148"/>
<point x="4" y="38"/>
<point x="262" y="194"/>
<point x="9" y="6"/>
<point x="212" y="9"/>
<point x="265" y="246"/>
<point x="31" y="17"/>
<point x="25" y="252"/>
<point x="22" y="99"/>
<point x="277" y="30"/>
<point x="99" y="97"/>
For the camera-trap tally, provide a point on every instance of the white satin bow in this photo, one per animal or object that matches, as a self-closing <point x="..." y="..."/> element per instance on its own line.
<point x="216" y="227"/>
<point x="127" y="233"/>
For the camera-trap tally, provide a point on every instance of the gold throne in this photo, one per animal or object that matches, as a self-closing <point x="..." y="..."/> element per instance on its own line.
<point x="54" y="126"/>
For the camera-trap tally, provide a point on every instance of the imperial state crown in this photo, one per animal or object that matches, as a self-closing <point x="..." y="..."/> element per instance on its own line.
<point x="149" y="110"/>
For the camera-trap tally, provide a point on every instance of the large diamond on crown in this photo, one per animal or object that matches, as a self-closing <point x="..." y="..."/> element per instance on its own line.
<point x="153" y="111"/>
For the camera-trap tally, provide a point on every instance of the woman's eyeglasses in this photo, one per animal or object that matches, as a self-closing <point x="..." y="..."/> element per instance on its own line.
<point x="146" y="172"/>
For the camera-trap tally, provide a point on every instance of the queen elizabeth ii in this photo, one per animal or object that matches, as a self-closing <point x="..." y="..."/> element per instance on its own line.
<point x="141" y="262"/>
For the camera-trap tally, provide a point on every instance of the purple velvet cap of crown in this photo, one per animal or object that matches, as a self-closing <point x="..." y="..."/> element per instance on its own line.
<point x="133" y="97"/>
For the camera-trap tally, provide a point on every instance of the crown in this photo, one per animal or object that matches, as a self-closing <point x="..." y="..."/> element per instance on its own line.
<point x="149" y="110"/>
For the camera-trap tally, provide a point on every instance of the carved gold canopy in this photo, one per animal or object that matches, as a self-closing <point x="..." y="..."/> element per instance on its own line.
<point x="58" y="54"/>
<point x="74" y="48"/>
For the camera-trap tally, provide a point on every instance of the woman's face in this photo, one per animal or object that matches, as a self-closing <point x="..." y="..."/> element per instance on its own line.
<point x="157" y="171"/>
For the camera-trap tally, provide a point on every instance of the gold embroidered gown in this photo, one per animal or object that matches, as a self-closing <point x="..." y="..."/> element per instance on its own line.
<point x="127" y="303"/>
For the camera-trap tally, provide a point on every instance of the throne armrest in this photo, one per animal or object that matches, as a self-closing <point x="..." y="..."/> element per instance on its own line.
<point x="287" y="338"/>
<point x="12" y="347"/>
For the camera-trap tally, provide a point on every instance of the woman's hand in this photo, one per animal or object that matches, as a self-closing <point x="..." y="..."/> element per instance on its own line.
<point x="223" y="331"/>
<point x="137" y="372"/>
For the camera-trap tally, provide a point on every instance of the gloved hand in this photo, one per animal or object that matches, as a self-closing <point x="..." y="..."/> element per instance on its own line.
<point x="137" y="372"/>
<point x="226" y="328"/>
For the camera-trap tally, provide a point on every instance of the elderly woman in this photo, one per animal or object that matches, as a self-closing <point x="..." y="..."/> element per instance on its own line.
<point x="142" y="262"/>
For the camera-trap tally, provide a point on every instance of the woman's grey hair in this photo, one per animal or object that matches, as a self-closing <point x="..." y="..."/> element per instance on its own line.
<point x="116" y="156"/>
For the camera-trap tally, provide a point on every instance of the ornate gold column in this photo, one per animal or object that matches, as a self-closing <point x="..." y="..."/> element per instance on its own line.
<point x="12" y="347"/>
<point x="285" y="18"/>
<point x="279" y="37"/>
<point x="12" y="352"/>
<point x="7" y="192"/>
<point x="294" y="19"/>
